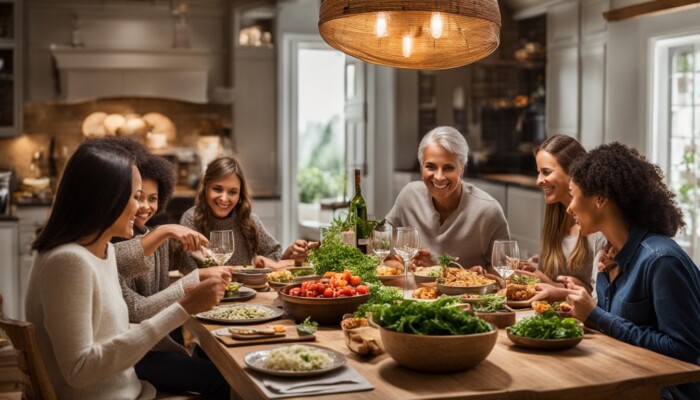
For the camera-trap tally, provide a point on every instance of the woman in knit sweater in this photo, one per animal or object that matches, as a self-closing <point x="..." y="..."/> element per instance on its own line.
<point x="168" y="366"/>
<point x="74" y="297"/>
<point x="224" y="202"/>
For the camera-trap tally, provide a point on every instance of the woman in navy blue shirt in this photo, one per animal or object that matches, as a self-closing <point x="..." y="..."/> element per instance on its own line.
<point x="652" y="297"/>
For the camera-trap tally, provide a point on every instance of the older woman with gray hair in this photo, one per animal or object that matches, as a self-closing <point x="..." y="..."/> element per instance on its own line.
<point x="451" y="216"/>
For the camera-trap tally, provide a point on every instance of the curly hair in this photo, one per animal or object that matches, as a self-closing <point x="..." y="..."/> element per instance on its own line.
<point x="565" y="150"/>
<point x="216" y="170"/>
<point x="636" y="186"/>
<point x="162" y="172"/>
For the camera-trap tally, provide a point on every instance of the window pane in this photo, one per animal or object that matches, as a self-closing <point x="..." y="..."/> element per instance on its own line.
<point x="682" y="122"/>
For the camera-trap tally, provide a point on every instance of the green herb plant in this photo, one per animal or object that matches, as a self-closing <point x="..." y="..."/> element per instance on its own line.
<point x="379" y="295"/>
<point x="524" y="280"/>
<point x="428" y="318"/>
<point x="546" y="326"/>
<point x="490" y="303"/>
<point x="334" y="255"/>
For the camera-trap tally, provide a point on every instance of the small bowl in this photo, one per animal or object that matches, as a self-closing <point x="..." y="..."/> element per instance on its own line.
<point x="325" y="311"/>
<point x="423" y="278"/>
<point x="252" y="277"/>
<point x="544" y="344"/>
<point x="457" y="290"/>
<point x="438" y="354"/>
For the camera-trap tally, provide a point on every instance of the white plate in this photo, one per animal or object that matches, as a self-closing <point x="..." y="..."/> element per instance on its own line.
<point x="276" y="313"/>
<point x="241" y="294"/>
<point x="256" y="361"/>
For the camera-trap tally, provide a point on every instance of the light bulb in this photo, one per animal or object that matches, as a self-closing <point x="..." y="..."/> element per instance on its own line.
<point x="436" y="25"/>
<point x="380" y="27"/>
<point x="407" y="46"/>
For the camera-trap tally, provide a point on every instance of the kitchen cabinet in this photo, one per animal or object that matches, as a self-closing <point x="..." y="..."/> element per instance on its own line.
<point x="10" y="68"/>
<point x="562" y="91"/>
<point x="31" y="218"/>
<point x="9" y="280"/>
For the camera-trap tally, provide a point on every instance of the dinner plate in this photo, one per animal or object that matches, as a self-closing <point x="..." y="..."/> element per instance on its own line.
<point x="525" y="303"/>
<point x="544" y="344"/>
<point x="241" y="294"/>
<point x="256" y="361"/>
<point x="207" y="315"/>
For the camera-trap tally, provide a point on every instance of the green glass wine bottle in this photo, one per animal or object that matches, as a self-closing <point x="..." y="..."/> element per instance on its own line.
<point x="358" y="209"/>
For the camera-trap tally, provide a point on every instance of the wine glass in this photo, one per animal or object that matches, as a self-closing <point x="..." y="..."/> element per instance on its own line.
<point x="381" y="241"/>
<point x="407" y="245"/>
<point x="221" y="246"/>
<point x="505" y="257"/>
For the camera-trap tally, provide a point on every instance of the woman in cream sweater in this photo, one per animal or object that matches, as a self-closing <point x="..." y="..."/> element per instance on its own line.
<point x="74" y="297"/>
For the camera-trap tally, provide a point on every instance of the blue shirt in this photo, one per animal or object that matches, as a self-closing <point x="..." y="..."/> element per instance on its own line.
<point x="654" y="302"/>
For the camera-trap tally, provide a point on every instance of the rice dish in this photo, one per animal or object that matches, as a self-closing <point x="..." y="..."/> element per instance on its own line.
<point x="296" y="358"/>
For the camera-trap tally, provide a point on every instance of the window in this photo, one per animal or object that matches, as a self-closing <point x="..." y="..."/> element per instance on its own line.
<point x="677" y="128"/>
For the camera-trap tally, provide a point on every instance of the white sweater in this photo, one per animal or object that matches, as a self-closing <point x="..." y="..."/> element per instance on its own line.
<point x="74" y="299"/>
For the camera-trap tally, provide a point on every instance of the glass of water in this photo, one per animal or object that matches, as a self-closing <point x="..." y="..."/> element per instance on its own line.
<point x="505" y="257"/>
<point x="381" y="241"/>
<point x="407" y="245"/>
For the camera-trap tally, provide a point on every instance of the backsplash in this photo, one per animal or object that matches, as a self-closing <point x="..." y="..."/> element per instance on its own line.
<point x="44" y="120"/>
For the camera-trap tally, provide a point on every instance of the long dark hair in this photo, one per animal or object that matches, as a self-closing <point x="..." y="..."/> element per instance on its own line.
<point x="203" y="217"/>
<point x="565" y="150"/>
<point x="94" y="190"/>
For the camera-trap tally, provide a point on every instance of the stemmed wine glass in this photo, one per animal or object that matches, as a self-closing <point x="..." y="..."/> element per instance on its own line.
<point x="221" y="246"/>
<point x="505" y="257"/>
<point x="381" y="241"/>
<point x="407" y="245"/>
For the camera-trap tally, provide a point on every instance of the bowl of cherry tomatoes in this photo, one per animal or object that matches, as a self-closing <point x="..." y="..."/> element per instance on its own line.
<point x="324" y="300"/>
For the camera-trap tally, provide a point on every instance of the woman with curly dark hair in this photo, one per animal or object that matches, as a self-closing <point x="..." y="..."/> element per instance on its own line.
<point x="224" y="202"/>
<point x="651" y="298"/>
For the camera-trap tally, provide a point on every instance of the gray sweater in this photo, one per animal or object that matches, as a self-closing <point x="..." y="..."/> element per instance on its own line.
<point x="150" y="292"/>
<point x="468" y="233"/>
<point x="267" y="245"/>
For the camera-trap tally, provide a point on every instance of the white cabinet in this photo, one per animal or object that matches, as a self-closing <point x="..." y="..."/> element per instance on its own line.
<point x="30" y="219"/>
<point x="592" y="94"/>
<point x="525" y="215"/>
<point x="269" y="212"/>
<point x="563" y="24"/>
<point x="562" y="91"/>
<point x="9" y="279"/>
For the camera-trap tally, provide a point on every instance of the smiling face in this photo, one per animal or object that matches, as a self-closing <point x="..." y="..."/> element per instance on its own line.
<point x="552" y="179"/>
<point x="442" y="173"/>
<point x="586" y="210"/>
<point x="223" y="195"/>
<point x="148" y="203"/>
<point x="123" y="227"/>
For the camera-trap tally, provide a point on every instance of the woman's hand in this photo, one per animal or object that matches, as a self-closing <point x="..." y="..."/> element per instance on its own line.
<point x="568" y="280"/>
<point x="478" y="269"/>
<point x="552" y="293"/>
<point x="541" y="276"/>
<point x="203" y="296"/>
<point x="299" y="250"/>
<point x="527" y="265"/>
<point x="264" y="262"/>
<point x="190" y="239"/>
<point x="581" y="302"/>
<point x="605" y="258"/>
<point x="223" y="272"/>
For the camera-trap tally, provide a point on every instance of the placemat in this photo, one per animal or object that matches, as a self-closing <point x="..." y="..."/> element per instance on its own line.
<point x="343" y="376"/>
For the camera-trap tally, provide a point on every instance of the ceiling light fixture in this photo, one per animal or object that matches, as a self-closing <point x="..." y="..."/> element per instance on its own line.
<point x="416" y="34"/>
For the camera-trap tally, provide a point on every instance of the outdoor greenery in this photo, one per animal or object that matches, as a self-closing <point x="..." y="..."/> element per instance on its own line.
<point x="322" y="174"/>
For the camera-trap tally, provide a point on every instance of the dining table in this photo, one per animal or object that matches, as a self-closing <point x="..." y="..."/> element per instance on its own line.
<point x="599" y="367"/>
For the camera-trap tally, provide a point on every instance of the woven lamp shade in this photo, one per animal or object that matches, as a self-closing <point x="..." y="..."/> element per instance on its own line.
<point x="403" y="33"/>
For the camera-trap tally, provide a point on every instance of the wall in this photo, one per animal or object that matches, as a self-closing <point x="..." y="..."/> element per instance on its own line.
<point x="629" y="56"/>
<point x="119" y="24"/>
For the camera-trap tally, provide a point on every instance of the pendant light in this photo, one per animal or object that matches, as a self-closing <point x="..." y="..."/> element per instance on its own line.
<point x="414" y="34"/>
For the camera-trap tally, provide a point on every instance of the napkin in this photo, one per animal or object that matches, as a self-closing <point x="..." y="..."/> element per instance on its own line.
<point x="346" y="379"/>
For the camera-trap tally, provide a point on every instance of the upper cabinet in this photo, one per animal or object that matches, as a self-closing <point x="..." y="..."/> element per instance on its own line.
<point x="10" y="69"/>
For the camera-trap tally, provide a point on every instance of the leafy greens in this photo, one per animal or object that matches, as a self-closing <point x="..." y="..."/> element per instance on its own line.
<point x="546" y="326"/>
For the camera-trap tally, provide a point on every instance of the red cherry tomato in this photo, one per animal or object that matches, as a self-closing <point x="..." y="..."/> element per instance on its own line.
<point x="311" y="293"/>
<point x="295" y="292"/>
<point x="328" y="293"/>
<point x="362" y="289"/>
<point x="355" y="280"/>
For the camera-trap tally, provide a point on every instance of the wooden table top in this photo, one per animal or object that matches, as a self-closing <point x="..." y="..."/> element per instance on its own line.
<point x="599" y="367"/>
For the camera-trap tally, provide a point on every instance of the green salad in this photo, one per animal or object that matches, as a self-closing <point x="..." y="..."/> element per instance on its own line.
<point x="524" y="280"/>
<point x="546" y="326"/>
<point x="490" y="303"/>
<point x="428" y="318"/>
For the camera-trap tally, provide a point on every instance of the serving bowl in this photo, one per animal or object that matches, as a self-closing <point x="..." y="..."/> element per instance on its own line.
<point x="544" y="344"/>
<point x="421" y="278"/>
<point x="325" y="311"/>
<point x="457" y="290"/>
<point x="251" y="277"/>
<point x="438" y="354"/>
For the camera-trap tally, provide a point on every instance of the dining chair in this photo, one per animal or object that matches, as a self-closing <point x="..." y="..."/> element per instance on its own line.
<point x="35" y="379"/>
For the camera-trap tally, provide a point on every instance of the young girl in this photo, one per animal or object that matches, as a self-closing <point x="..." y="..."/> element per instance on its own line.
<point x="74" y="297"/>
<point x="651" y="298"/>
<point x="565" y="253"/>
<point x="224" y="202"/>
<point x="168" y="366"/>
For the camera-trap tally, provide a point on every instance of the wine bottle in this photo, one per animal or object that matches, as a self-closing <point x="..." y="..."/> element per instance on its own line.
<point x="358" y="209"/>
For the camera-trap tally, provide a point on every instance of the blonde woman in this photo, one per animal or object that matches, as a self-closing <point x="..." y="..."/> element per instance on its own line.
<point x="565" y="255"/>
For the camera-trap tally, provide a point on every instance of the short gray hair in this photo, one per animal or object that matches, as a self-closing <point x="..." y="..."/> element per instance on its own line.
<point x="449" y="139"/>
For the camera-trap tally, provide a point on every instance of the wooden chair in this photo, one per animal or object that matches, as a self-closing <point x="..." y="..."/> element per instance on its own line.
<point x="35" y="379"/>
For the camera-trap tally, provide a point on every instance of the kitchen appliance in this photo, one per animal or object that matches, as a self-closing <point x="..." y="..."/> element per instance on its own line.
<point x="5" y="194"/>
